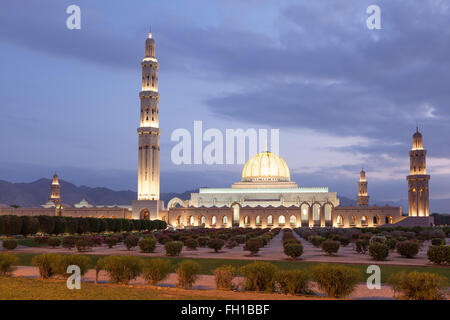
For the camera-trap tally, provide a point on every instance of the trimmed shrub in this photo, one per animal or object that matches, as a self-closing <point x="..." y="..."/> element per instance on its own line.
<point x="330" y="247"/>
<point x="156" y="270"/>
<point x="231" y="244"/>
<point x="9" y="244"/>
<point x="316" y="240"/>
<point x="216" y="244"/>
<point x="46" y="224"/>
<point x="163" y="239"/>
<point x="47" y="264"/>
<point x="439" y="254"/>
<point x="13" y="225"/>
<point x="223" y="277"/>
<point x="69" y="242"/>
<point x="97" y="240"/>
<point x="437" y="242"/>
<point x="30" y="225"/>
<point x="191" y="244"/>
<point x="7" y="264"/>
<point x="391" y="243"/>
<point x="293" y="250"/>
<point x="41" y="240"/>
<point x="93" y="225"/>
<point x="71" y="225"/>
<point x="345" y="241"/>
<point x="202" y="241"/>
<point x="361" y="246"/>
<point x="408" y="249"/>
<point x="253" y="245"/>
<point x="173" y="248"/>
<point x="292" y="281"/>
<point x="121" y="269"/>
<point x="378" y="251"/>
<point x="83" y="225"/>
<point x="336" y="281"/>
<point x="240" y="239"/>
<point x="111" y="241"/>
<point x="61" y="264"/>
<point x="158" y="225"/>
<point x="418" y="285"/>
<point x="147" y="245"/>
<point x="84" y="244"/>
<point x="2" y="225"/>
<point x="60" y="225"/>
<point x="259" y="276"/>
<point x="54" y="242"/>
<point x="131" y="241"/>
<point x="187" y="272"/>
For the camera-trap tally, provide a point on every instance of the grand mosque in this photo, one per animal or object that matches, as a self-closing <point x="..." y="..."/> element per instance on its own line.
<point x="265" y="197"/>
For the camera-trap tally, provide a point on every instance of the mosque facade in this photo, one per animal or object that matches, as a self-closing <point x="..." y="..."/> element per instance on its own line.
<point x="265" y="197"/>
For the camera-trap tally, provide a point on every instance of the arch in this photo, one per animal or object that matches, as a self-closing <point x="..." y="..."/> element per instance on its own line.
<point x="174" y="202"/>
<point x="246" y="220"/>
<point x="353" y="220"/>
<point x="191" y="220"/>
<point x="340" y="220"/>
<point x="327" y="208"/>
<point x="179" y="220"/>
<point x="270" y="220"/>
<point x="145" y="214"/>
<point x="258" y="220"/>
<point x="388" y="220"/>
<point x="316" y="213"/>
<point x="213" y="220"/>
<point x="304" y="215"/>
<point x="225" y="220"/>
<point x="364" y="221"/>
<point x="281" y="220"/>
<point x="376" y="220"/>
<point x="202" y="220"/>
<point x="293" y="220"/>
<point x="236" y="209"/>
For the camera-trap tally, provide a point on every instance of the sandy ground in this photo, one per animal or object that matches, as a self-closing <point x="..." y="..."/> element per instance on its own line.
<point x="206" y="283"/>
<point x="272" y="252"/>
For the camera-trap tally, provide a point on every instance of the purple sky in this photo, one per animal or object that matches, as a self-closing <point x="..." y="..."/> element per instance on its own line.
<point x="343" y="97"/>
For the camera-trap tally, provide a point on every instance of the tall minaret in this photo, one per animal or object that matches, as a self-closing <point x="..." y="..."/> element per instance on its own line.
<point x="418" y="193"/>
<point x="363" y="198"/>
<point x="148" y="133"/>
<point x="55" y="191"/>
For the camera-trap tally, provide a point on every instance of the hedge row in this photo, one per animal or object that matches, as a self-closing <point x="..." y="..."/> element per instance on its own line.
<point x="25" y="225"/>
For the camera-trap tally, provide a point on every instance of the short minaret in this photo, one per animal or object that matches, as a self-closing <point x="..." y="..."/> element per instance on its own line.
<point x="55" y="191"/>
<point x="418" y="193"/>
<point x="363" y="198"/>
<point x="148" y="133"/>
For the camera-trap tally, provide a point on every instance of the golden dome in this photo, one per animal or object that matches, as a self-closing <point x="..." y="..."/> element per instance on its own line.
<point x="266" y="166"/>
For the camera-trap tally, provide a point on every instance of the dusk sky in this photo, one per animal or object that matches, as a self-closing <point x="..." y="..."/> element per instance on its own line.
<point x="343" y="96"/>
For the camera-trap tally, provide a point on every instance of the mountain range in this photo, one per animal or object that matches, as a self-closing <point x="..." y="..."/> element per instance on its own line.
<point x="34" y="194"/>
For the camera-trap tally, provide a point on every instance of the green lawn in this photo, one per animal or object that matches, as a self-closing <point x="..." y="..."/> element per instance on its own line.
<point x="208" y="265"/>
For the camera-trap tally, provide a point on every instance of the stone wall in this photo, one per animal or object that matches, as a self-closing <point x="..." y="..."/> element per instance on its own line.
<point x="114" y="212"/>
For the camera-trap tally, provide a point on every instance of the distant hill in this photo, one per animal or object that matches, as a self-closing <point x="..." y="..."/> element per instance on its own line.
<point x="36" y="193"/>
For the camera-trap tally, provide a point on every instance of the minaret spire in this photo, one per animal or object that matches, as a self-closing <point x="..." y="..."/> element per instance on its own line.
<point x="418" y="180"/>
<point x="148" y="204"/>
